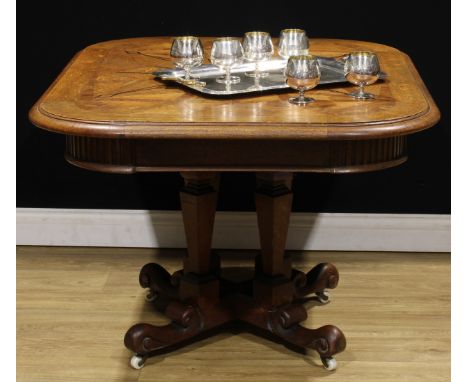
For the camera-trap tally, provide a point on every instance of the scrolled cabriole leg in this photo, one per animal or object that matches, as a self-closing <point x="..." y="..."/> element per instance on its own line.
<point x="159" y="281"/>
<point x="327" y="340"/>
<point x="143" y="339"/>
<point x="320" y="278"/>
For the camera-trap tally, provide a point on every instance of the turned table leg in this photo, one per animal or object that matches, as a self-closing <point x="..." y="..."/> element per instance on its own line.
<point x="198" y="199"/>
<point x="189" y="297"/>
<point x="277" y="286"/>
<point x="273" y="200"/>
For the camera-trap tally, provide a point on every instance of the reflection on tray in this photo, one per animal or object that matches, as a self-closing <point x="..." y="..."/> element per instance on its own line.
<point x="331" y="72"/>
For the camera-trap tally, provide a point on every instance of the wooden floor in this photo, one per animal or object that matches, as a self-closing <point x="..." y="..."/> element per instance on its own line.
<point x="74" y="306"/>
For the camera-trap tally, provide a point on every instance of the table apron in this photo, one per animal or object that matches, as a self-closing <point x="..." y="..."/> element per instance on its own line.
<point x="166" y="155"/>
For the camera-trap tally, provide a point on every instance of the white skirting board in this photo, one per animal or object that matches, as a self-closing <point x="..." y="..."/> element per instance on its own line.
<point x="236" y="230"/>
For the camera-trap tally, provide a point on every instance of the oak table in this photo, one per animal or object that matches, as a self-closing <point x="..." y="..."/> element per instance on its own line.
<point x="117" y="118"/>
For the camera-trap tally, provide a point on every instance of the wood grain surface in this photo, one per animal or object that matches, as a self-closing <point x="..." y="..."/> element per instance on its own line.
<point x="74" y="304"/>
<point x="108" y="90"/>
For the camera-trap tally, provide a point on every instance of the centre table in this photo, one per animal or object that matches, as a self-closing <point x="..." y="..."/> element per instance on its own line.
<point x="118" y="118"/>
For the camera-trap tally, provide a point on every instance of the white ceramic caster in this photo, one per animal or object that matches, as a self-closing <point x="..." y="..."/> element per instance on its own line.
<point x="151" y="296"/>
<point x="329" y="363"/>
<point x="137" y="362"/>
<point x="323" y="297"/>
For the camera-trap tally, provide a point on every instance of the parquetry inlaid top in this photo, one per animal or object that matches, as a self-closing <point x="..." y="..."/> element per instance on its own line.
<point x="108" y="90"/>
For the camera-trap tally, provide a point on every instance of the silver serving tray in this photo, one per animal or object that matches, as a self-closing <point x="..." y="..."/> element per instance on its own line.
<point x="331" y="72"/>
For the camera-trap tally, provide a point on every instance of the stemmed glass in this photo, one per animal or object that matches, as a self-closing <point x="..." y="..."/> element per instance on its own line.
<point x="187" y="52"/>
<point x="225" y="53"/>
<point x="258" y="47"/>
<point x="302" y="73"/>
<point x="293" y="42"/>
<point x="362" y="68"/>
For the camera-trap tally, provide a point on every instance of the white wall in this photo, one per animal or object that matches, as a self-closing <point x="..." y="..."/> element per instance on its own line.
<point x="325" y="231"/>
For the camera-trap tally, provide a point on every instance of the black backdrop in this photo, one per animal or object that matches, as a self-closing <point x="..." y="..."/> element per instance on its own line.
<point x="50" y="32"/>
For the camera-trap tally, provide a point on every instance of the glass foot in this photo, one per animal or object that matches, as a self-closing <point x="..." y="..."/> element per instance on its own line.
<point x="255" y="87"/>
<point x="301" y="100"/>
<point x="361" y="95"/>
<point x="233" y="80"/>
<point x="257" y="74"/>
<point x="193" y="82"/>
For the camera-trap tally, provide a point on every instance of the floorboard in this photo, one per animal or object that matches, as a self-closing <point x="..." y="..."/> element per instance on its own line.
<point x="75" y="304"/>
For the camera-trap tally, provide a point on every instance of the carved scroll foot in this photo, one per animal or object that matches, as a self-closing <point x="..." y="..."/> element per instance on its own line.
<point x="159" y="282"/>
<point x="143" y="339"/>
<point x="323" y="276"/>
<point x="327" y="340"/>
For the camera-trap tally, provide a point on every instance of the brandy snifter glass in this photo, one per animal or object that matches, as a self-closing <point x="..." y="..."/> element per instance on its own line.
<point x="362" y="68"/>
<point x="258" y="47"/>
<point x="226" y="52"/>
<point x="293" y="42"/>
<point x="302" y="73"/>
<point x="187" y="52"/>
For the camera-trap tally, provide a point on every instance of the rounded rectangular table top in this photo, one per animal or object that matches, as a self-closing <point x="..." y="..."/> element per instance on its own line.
<point x="108" y="91"/>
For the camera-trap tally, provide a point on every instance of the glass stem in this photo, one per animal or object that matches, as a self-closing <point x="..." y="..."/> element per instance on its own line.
<point x="257" y="81"/>
<point x="228" y="74"/>
<point x="257" y="69"/>
<point x="187" y="73"/>
<point x="361" y="90"/>
<point x="301" y="95"/>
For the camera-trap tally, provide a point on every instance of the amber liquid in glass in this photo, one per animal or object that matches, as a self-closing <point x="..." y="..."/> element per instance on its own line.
<point x="303" y="83"/>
